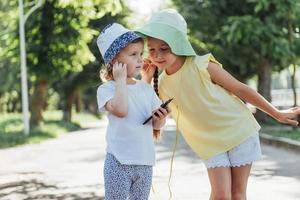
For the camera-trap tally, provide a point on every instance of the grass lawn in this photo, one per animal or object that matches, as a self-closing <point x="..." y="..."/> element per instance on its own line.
<point x="282" y="131"/>
<point x="11" y="127"/>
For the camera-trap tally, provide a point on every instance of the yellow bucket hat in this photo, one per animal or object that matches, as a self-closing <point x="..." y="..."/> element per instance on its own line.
<point x="169" y="26"/>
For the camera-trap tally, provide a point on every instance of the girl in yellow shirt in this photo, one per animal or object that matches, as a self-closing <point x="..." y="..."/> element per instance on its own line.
<point x="207" y="105"/>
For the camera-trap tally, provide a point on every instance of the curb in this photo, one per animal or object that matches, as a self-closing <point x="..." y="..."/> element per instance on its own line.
<point x="280" y="142"/>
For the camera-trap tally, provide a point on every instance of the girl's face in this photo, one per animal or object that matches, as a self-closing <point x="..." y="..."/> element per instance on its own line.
<point x="132" y="56"/>
<point x="160" y="54"/>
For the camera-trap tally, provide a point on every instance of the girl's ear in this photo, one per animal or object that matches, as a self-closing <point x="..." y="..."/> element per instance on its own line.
<point x="113" y="61"/>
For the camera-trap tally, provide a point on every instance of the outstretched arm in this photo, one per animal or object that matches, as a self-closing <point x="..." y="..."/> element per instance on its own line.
<point x="223" y="78"/>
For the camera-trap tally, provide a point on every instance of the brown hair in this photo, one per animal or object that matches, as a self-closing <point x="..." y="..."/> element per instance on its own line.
<point x="106" y="72"/>
<point x="155" y="81"/>
<point x="156" y="133"/>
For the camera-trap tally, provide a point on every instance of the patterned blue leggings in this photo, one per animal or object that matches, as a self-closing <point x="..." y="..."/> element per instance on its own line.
<point x="124" y="182"/>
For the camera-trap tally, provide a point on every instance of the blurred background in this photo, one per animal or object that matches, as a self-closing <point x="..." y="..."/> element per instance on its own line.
<point x="258" y="41"/>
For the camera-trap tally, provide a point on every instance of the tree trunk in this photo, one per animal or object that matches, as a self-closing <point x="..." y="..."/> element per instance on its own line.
<point x="14" y="103"/>
<point x="70" y="99"/>
<point x="93" y="107"/>
<point x="38" y="102"/>
<point x="293" y="61"/>
<point x="68" y="108"/>
<point x="1" y="105"/>
<point x="9" y="105"/>
<point x="264" y="86"/>
<point x="78" y="101"/>
<point x="293" y="83"/>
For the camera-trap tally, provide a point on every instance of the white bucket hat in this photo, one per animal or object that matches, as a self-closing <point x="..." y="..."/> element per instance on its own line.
<point x="113" y="38"/>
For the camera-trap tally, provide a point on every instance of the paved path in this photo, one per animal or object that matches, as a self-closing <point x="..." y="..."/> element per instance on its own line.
<point x="70" y="168"/>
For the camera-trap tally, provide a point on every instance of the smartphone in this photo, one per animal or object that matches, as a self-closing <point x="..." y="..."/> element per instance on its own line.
<point x="164" y="105"/>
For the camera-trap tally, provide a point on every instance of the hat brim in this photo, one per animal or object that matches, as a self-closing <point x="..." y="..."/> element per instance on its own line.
<point x="177" y="40"/>
<point x="118" y="44"/>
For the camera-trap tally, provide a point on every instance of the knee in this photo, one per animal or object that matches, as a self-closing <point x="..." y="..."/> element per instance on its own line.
<point x="238" y="196"/>
<point x="238" y="193"/>
<point x="221" y="195"/>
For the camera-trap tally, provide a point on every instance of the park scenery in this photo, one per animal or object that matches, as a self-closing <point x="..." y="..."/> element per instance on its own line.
<point x="52" y="135"/>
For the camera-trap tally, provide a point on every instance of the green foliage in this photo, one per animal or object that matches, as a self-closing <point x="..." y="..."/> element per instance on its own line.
<point x="9" y="47"/>
<point x="60" y="46"/>
<point x="88" y="79"/>
<point x="9" y="62"/>
<point x="248" y="35"/>
<point x="57" y="35"/>
<point x="242" y="35"/>
<point x="282" y="131"/>
<point x="11" y="128"/>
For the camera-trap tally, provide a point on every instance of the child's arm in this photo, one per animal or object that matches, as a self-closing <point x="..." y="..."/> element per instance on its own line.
<point x="159" y="117"/>
<point x="118" y="105"/>
<point x="223" y="78"/>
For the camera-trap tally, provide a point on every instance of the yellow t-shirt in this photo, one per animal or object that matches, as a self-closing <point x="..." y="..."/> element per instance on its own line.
<point x="211" y="119"/>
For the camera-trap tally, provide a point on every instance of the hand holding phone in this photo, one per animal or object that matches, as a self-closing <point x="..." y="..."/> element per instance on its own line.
<point x="164" y="105"/>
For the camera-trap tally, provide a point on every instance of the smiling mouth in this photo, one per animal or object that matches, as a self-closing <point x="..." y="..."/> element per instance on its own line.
<point x="138" y="67"/>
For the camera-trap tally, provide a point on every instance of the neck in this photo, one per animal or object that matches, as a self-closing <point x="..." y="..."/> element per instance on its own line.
<point x="130" y="81"/>
<point x="176" y="66"/>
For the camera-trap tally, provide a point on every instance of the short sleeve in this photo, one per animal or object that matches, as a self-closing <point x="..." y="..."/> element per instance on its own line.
<point x="202" y="64"/>
<point x="105" y="93"/>
<point x="202" y="61"/>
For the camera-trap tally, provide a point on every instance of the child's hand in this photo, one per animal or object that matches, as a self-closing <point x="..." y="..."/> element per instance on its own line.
<point x="147" y="71"/>
<point x="159" y="117"/>
<point x="119" y="71"/>
<point x="289" y="116"/>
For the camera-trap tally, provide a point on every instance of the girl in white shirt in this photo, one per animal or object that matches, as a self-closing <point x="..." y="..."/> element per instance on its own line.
<point x="128" y="102"/>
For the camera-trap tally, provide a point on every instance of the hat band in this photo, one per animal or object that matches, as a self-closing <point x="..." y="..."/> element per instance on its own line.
<point x="118" y="44"/>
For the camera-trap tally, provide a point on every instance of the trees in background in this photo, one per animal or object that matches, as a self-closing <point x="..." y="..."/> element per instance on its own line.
<point x="59" y="36"/>
<point x="250" y="37"/>
<point x="253" y="37"/>
<point x="9" y="57"/>
<point x="79" y="88"/>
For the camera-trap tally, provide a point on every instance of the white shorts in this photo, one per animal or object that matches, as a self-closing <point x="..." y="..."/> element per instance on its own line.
<point x="243" y="154"/>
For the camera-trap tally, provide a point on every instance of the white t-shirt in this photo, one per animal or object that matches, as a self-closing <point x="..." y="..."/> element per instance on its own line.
<point x="127" y="138"/>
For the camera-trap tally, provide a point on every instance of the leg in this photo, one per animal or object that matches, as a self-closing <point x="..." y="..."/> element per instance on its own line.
<point x="239" y="182"/>
<point x="241" y="158"/>
<point x="141" y="183"/>
<point x="220" y="181"/>
<point x="116" y="182"/>
<point x="219" y="174"/>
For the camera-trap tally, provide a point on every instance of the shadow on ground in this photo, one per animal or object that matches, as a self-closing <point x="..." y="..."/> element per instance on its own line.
<point x="36" y="190"/>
